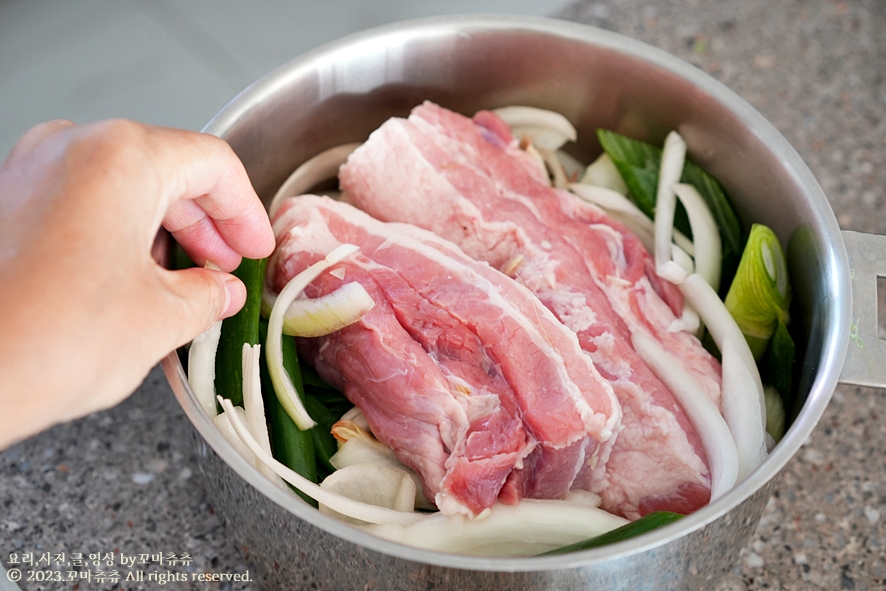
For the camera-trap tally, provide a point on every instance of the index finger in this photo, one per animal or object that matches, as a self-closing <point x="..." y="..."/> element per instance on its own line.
<point x="211" y="208"/>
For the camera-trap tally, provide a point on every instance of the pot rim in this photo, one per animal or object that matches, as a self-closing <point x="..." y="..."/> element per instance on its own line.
<point x="834" y="262"/>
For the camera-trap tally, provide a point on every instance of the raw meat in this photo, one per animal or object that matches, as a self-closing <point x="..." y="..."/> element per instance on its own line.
<point x="459" y="369"/>
<point x="467" y="181"/>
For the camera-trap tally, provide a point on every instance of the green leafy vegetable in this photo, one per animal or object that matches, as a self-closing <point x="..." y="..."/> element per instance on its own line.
<point x="761" y="291"/>
<point x="643" y="525"/>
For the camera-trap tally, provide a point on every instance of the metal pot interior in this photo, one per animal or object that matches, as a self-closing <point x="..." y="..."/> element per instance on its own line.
<point x="341" y="92"/>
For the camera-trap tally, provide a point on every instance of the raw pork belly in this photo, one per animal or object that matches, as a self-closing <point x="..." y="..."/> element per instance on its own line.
<point x="459" y="369"/>
<point x="468" y="181"/>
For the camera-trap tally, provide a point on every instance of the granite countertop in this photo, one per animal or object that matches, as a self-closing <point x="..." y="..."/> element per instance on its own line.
<point x="125" y="480"/>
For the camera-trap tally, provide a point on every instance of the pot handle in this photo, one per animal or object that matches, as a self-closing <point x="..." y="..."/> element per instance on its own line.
<point x="866" y="358"/>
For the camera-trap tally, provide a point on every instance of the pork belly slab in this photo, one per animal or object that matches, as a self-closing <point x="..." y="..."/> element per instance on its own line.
<point x="459" y="369"/>
<point x="467" y="181"/>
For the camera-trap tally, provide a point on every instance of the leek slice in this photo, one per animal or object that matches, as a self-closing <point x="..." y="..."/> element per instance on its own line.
<point x="283" y="386"/>
<point x="761" y="292"/>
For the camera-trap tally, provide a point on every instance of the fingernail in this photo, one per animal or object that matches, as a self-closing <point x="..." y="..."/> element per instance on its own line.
<point x="236" y="296"/>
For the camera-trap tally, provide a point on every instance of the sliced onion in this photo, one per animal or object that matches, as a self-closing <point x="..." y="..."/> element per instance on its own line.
<point x="201" y="362"/>
<point x="547" y="129"/>
<point x="672" y="159"/>
<point x="743" y="404"/>
<point x="376" y="485"/>
<point x="286" y="392"/>
<point x="528" y="528"/>
<point x="254" y="406"/>
<point x="573" y="168"/>
<point x="336" y="502"/>
<point x="223" y="424"/>
<point x="316" y="317"/>
<point x="366" y="450"/>
<point x="687" y="322"/>
<point x="705" y="235"/>
<point x="623" y="209"/>
<point x="201" y="367"/>
<point x="713" y="431"/>
<point x="321" y="167"/>
<point x="558" y="173"/>
<point x="742" y="410"/>
<point x="679" y="256"/>
<point x="602" y="172"/>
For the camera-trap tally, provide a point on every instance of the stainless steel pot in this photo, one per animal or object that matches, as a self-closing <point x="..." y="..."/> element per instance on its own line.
<point x="341" y="92"/>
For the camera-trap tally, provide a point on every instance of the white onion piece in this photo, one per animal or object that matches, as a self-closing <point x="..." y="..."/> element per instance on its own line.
<point x="356" y="416"/>
<point x="223" y="424"/>
<point x="687" y="322"/>
<point x="359" y="450"/>
<point x="201" y="362"/>
<point x="558" y="173"/>
<point x="547" y="129"/>
<point x="671" y="271"/>
<point x="743" y="403"/>
<point x="713" y="431"/>
<point x="679" y="256"/>
<point x="336" y="502"/>
<point x="539" y="161"/>
<point x="573" y="168"/>
<point x="602" y="172"/>
<point x="322" y="167"/>
<point x="321" y="316"/>
<point x="742" y="411"/>
<point x="201" y="367"/>
<point x="625" y="211"/>
<point x="286" y="392"/>
<point x="706" y="237"/>
<point x="672" y="159"/>
<point x="254" y="406"/>
<point x="372" y="484"/>
<point x="528" y="528"/>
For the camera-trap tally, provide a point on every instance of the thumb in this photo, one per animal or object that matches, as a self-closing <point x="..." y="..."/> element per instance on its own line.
<point x="193" y="300"/>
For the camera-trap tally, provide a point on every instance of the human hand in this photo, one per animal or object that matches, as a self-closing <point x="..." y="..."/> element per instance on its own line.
<point x="85" y="311"/>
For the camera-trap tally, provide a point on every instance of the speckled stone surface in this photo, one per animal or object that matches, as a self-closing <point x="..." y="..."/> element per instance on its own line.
<point x="126" y="479"/>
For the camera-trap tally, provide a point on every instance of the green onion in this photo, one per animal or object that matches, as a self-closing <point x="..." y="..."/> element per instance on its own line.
<point x="761" y="292"/>
<point x="238" y="329"/>
<point x="643" y="525"/>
